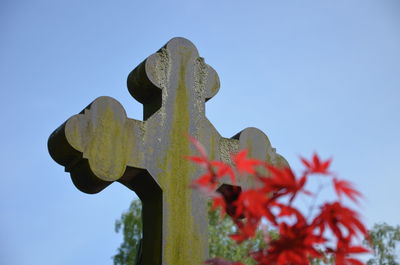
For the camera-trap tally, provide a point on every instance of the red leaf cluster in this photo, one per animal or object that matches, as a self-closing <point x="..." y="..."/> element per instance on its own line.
<point x="300" y="238"/>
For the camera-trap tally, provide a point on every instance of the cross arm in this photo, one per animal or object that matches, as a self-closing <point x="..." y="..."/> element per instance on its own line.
<point x="98" y="144"/>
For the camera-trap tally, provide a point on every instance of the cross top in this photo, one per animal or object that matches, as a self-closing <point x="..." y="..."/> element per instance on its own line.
<point x="101" y="145"/>
<point x="175" y="70"/>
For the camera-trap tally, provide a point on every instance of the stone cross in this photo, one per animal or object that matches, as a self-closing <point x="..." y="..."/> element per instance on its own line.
<point x="101" y="145"/>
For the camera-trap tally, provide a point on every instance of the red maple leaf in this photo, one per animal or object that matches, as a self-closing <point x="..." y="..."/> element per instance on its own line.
<point x="224" y="169"/>
<point x="316" y="166"/>
<point x="251" y="202"/>
<point x="295" y="245"/>
<point x="343" y="187"/>
<point x="337" y="217"/>
<point x="250" y="207"/>
<point x="282" y="182"/>
<point x="343" y="250"/>
<point x="245" y="165"/>
<point x="207" y="180"/>
<point x="287" y="211"/>
<point x="203" y="161"/>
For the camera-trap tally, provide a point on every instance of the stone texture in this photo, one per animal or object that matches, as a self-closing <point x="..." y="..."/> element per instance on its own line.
<point x="101" y="145"/>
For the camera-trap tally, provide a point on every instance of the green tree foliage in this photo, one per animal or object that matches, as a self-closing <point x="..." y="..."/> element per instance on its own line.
<point x="130" y="224"/>
<point x="383" y="240"/>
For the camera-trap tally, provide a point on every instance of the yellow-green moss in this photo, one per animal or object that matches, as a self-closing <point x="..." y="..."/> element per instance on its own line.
<point x="212" y="145"/>
<point x="102" y="138"/>
<point x="183" y="244"/>
<point x="105" y="149"/>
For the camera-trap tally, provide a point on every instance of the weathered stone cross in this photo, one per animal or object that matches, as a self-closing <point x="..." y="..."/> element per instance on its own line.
<point x="101" y="145"/>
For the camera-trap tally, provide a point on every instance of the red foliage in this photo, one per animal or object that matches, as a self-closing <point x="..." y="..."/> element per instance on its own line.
<point x="343" y="250"/>
<point x="245" y="165"/>
<point x="283" y="182"/>
<point x="300" y="238"/>
<point x="295" y="245"/>
<point x="316" y="166"/>
<point x="343" y="187"/>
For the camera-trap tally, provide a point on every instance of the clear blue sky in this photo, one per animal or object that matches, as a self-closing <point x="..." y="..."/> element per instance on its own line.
<point x="314" y="75"/>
